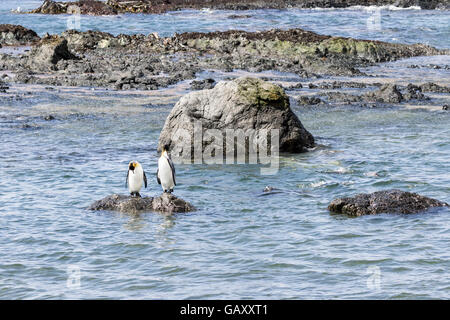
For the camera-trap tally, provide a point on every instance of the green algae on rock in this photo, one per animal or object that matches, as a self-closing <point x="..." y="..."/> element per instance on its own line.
<point x="240" y="105"/>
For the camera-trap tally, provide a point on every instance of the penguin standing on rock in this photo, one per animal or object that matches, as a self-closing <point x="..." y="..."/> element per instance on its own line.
<point x="135" y="178"/>
<point x="165" y="175"/>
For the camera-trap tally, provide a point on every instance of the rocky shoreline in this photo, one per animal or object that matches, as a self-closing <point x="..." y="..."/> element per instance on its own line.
<point x="113" y="7"/>
<point x="149" y="62"/>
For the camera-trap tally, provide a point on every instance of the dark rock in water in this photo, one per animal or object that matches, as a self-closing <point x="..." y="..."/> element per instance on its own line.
<point x="388" y="93"/>
<point x="51" y="7"/>
<point x="123" y="203"/>
<point x="239" y="16"/>
<point x="16" y="35"/>
<point x="298" y="85"/>
<point x="388" y="201"/>
<point x="49" y="52"/>
<point x="245" y="103"/>
<point x="91" y="7"/>
<point x="433" y="87"/>
<point x="167" y="203"/>
<point x="170" y="203"/>
<point x="340" y="84"/>
<point x="304" y="100"/>
<point x="203" y="84"/>
<point x="3" y="86"/>
<point x="343" y="97"/>
<point x="413" y="92"/>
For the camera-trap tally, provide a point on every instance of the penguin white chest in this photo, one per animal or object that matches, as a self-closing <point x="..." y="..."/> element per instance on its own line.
<point x="135" y="179"/>
<point x="165" y="173"/>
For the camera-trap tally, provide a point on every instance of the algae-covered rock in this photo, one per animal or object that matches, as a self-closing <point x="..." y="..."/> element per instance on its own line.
<point x="245" y="103"/>
<point x="388" y="201"/>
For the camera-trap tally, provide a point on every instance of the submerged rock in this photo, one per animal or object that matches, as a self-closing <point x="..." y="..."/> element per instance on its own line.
<point x="203" y="84"/>
<point x="308" y="101"/>
<point x="343" y="97"/>
<point x="16" y="35"/>
<point x="433" y="87"/>
<point x="413" y="92"/>
<point x="388" y="201"/>
<point x="167" y="203"/>
<point x="244" y="103"/>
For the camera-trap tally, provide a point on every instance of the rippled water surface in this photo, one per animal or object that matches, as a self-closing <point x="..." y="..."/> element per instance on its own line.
<point x="241" y="243"/>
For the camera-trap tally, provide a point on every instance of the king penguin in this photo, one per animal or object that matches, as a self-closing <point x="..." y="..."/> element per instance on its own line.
<point x="135" y="178"/>
<point x="165" y="175"/>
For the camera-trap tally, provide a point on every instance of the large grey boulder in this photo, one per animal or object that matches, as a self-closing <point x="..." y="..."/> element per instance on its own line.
<point x="166" y="203"/>
<point x="387" y="201"/>
<point x="244" y="103"/>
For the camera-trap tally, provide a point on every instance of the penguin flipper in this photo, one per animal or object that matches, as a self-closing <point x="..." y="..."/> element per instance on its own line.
<point x="157" y="176"/>
<point x="126" y="181"/>
<point x="145" y="179"/>
<point x="172" y="167"/>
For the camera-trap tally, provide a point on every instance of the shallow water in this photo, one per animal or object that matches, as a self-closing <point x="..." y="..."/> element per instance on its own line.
<point x="241" y="243"/>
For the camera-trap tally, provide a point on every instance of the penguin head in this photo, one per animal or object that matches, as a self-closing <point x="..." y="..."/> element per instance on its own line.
<point x="165" y="148"/>
<point x="132" y="165"/>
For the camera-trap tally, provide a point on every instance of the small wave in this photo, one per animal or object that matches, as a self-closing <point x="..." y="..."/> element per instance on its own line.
<point x="369" y="8"/>
<point x="340" y="170"/>
<point x="318" y="184"/>
<point x="386" y="7"/>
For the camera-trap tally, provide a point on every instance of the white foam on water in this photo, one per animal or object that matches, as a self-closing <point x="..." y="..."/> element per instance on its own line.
<point x="387" y="8"/>
<point x="366" y="8"/>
